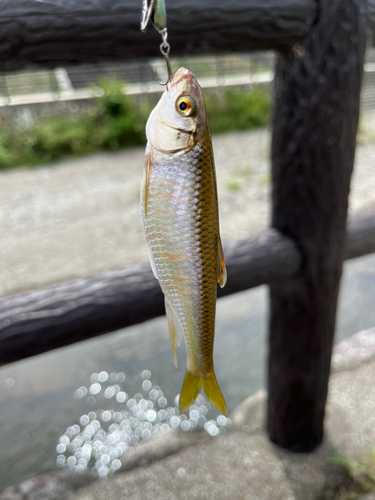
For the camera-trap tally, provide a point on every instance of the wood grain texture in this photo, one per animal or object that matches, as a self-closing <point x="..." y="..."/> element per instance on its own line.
<point x="38" y="321"/>
<point x="56" y="32"/>
<point x="35" y="322"/>
<point x="314" y="137"/>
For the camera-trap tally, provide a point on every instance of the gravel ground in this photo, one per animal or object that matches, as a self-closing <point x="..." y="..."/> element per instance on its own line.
<point x="81" y="217"/>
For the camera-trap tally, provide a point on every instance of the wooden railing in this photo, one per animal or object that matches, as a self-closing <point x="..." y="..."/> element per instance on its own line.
<point x="35" y="322"/>
<point x="321" y="46"/>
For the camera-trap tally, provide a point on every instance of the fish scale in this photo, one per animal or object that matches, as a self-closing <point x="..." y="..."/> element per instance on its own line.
<point x="180" y="217"/>
<point x="194" y="302"/>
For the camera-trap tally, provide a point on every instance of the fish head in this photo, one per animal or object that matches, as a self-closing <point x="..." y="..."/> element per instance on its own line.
<point x="179" y="119"/>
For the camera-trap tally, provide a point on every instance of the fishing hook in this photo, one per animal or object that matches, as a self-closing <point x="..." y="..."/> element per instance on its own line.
<point x="165" y="49"/>
<point x="154" y="11"/>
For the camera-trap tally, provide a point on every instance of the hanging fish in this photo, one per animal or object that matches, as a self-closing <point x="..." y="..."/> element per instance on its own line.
<point x="181" y="223"/>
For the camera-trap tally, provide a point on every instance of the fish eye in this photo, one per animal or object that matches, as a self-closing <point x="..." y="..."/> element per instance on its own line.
<point x="186" y="106"/>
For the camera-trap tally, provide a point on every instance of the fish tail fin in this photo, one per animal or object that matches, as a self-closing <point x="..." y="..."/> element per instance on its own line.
<point x="213" y="393"/>
<point x="190" y="390"/>
<point x="192" y="386"/>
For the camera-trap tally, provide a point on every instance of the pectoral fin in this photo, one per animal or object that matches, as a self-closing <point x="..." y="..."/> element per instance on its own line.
<point x="146" y="182"/>
<point x="221" y="269"/>
<point x="174" y="329"/>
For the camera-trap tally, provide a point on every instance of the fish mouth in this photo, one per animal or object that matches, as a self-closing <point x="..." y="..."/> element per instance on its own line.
<point x="184" y="80"/>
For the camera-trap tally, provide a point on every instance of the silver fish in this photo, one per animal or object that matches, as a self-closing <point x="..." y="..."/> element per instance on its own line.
<point x="181" y="223"/>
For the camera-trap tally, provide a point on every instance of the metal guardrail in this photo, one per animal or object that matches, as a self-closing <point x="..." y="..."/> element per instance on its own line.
<point x="80" y="82"/>
<point x="368" y="87"/>
<point x="131" y="89"/>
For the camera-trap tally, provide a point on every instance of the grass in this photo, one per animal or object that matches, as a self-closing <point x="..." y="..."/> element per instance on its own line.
<point x="113" y="123"/>
<point x="265" y="180"/>
<point x="366" y="130"/>
<point x="234" y="184"/>
<point x="117" y="121"/>
<point x="246" y="169"/>
<point x="238" y="110"/>
<point x="362" y="476"/>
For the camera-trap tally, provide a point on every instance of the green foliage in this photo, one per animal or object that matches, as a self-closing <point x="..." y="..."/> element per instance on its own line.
<point x="238" y="110"/>
<point x="366" y="129"/>
<point x="118" y="121"/>
<point x="234" y="184"/>
<point x="112" y="124"/>
<point x="362" y="475"/>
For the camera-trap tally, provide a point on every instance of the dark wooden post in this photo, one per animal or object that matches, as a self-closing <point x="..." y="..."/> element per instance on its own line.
<point x="315" y="121"/>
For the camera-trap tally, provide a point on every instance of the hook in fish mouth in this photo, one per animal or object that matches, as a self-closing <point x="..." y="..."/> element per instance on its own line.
<point x="165" y="49"/>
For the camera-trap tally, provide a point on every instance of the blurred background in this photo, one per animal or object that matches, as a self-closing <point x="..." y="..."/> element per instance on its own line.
<point x="71" y="160"/>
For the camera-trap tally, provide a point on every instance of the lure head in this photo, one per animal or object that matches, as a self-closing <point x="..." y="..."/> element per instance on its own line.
<point x="179" y="119"/>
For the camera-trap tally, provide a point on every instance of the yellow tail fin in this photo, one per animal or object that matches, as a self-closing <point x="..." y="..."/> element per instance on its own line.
<point x="192" y="386"/>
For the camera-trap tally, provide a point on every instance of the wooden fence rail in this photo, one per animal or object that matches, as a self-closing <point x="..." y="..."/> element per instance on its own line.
<point x="57" y="32"/>
<point x="50" y="33"/>
<point x="38" y="321"/>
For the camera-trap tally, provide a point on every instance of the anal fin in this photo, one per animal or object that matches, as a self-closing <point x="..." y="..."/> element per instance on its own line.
<point x="174" y="329"/>
<point x="221" y="268"/>
<point x="152" y="263"/>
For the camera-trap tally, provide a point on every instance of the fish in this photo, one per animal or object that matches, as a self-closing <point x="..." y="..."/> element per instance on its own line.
<point x="179" y="207"/>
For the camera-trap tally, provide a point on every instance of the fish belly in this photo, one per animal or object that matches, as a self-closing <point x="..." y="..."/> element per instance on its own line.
<point x="182" y="232"/>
